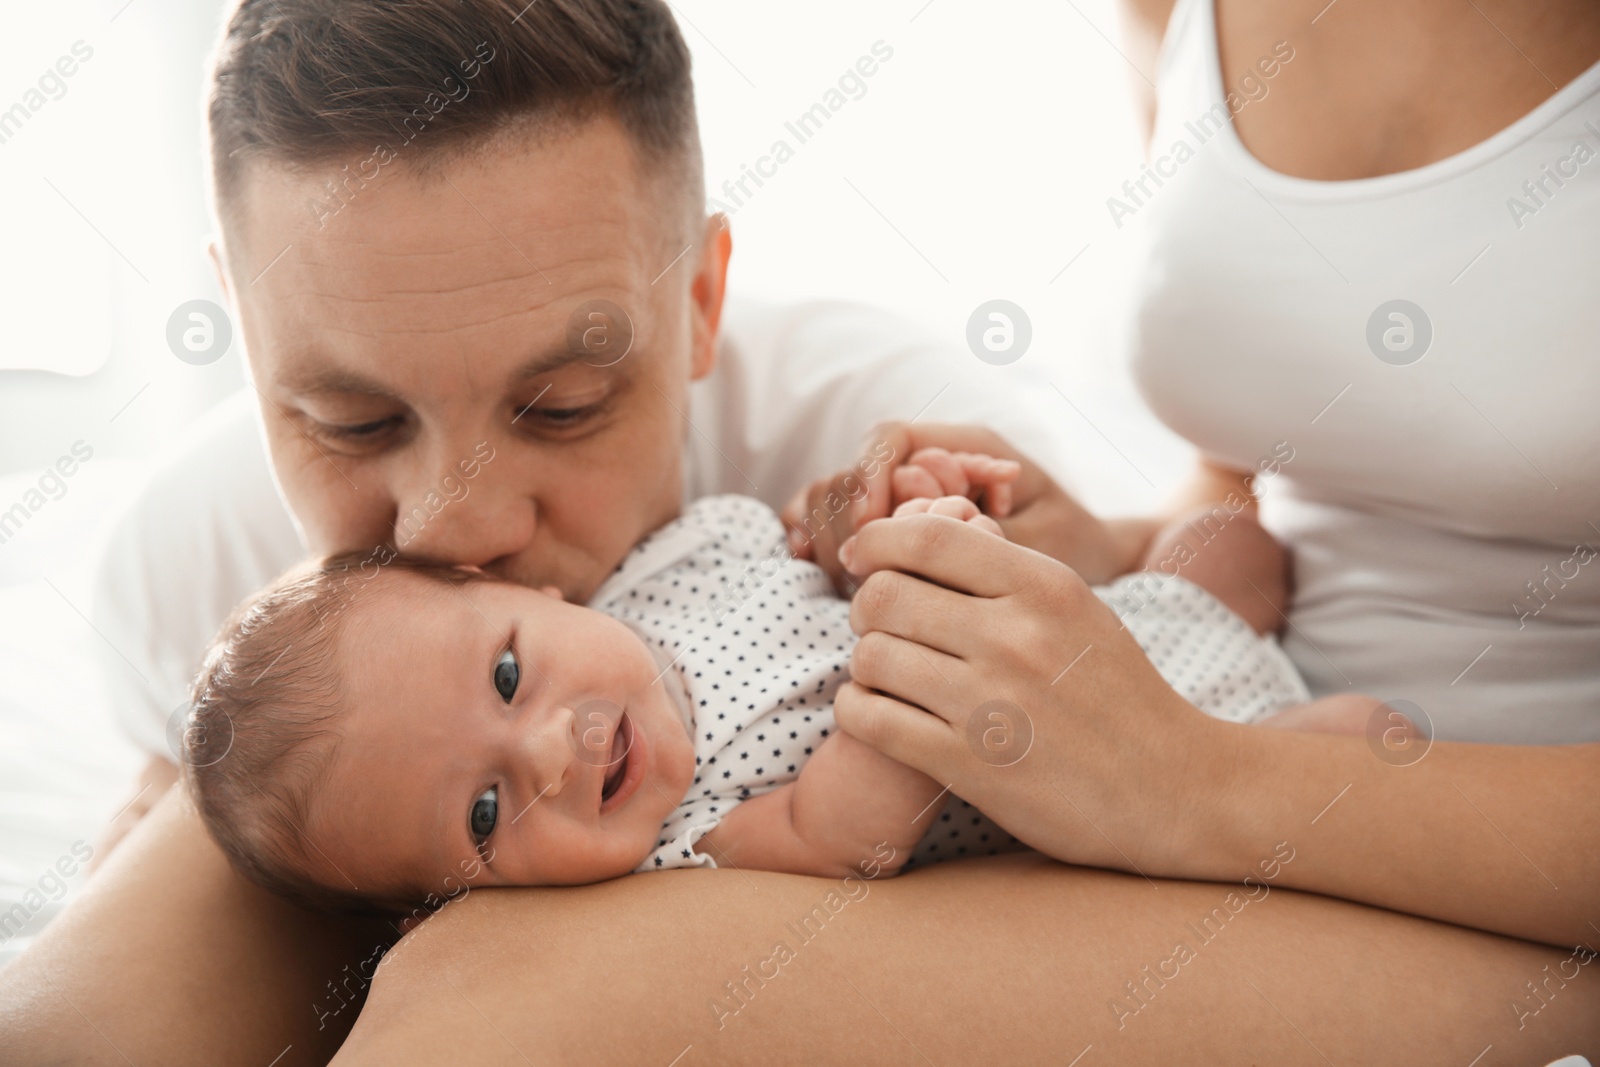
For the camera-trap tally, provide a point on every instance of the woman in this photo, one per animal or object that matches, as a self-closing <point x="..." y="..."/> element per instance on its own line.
<point x="1055" y="963"/>
<point x="1440" y="494"/>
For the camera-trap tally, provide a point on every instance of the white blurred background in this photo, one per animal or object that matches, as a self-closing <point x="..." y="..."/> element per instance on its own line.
<point x="975" y="166"/>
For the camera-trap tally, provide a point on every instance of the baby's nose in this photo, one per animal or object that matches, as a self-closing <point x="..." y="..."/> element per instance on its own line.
<point x="550" y="743"/>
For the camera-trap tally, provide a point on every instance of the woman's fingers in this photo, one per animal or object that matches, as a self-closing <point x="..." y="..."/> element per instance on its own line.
<point x="897" y="729"/>
<point x="956" y="555"/>
<point x="915" y="610"/>
<point x="915" y="673"/>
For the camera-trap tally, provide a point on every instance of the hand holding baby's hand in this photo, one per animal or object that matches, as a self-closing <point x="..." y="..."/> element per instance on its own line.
<point x="954" y="507"/>
<point x="938" y="472"/>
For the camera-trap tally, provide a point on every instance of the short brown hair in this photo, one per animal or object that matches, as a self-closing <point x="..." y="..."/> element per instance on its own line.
<point x="303" y="82"/>
<point x="261" y="729"/>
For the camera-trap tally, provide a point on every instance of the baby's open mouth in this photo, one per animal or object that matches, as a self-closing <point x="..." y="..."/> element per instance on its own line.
<point x="617" y="758"/>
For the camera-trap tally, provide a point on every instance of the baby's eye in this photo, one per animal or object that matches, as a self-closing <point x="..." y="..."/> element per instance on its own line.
<point x="506" y="675"/>
<point x="485" y="813"/>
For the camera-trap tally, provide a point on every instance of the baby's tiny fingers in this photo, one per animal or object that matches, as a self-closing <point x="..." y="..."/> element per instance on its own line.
<point x="915" y="506"/>
<point x="913" y="481"/>
<point x="998" y="499"/>
<point x="944" y="466"/>
<point x="994" y="477"/>
<point x="984" y="522"/>
<point x="954" y="507"/>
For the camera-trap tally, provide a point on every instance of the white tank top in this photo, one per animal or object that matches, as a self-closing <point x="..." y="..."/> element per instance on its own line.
<point x="1443" y="495"/>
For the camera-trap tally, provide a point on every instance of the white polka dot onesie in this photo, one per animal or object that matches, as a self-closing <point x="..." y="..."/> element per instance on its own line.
<point x="762" y="642"/>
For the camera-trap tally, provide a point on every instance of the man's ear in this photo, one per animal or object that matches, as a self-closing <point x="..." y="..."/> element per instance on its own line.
<point x="707" y="290"/>
<point x="215" y="252"/>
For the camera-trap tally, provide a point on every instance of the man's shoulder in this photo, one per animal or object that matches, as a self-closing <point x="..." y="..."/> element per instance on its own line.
<point x="834" y="332"/>
<point x="208" y="512"/>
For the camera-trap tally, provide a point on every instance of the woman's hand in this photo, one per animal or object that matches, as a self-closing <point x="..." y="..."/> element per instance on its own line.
<point x="1038" y="513"/>
<point x="1047" y="716"/>
<point x="1045" y="713"/>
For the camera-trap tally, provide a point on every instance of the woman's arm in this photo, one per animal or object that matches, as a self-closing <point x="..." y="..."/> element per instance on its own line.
<point x="1123" y="773"/>
<point x="1011" y="960"/>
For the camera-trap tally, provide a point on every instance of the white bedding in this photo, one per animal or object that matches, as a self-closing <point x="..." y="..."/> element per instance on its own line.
<point x="65" y="768"/>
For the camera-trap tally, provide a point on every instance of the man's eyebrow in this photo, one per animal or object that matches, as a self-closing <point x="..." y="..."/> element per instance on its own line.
<point x="552" y="359"/>
<point x="321" y="380"/>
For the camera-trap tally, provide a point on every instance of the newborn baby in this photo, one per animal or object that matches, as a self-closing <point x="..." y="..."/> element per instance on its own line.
<point x="373" y="736"/>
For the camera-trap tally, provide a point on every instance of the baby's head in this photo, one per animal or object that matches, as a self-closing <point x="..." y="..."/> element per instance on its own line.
<point x="376" y="737"/>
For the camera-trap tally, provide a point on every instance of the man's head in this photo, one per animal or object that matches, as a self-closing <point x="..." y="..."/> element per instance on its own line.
<point x="419" y="206"/>
<point x="365" y="736"/>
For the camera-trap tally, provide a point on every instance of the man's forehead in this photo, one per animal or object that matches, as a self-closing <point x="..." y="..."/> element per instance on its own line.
<point x="510" y="211"/>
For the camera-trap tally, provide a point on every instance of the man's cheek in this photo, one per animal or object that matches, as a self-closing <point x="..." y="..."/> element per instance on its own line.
<point x="336" y="511"/>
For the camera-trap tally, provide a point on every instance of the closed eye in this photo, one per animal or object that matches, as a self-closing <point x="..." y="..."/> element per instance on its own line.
<point x="560" y="418"/>
<point x="567" y="414"/>
<point x="360" y="431"/>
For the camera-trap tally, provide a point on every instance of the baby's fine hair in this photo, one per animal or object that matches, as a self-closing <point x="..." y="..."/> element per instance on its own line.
<point x="261" y="728"/>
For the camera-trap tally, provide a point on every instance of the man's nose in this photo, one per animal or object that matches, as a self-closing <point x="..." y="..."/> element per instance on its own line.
<point x="454" y="519"/>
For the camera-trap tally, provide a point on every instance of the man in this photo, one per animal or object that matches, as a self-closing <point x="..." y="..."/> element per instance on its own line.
<point x="431" y="275"/>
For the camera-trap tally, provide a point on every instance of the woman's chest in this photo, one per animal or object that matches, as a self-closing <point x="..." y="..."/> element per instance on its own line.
<point x="1421" y="357"/>
<point x="1378" y="88"/>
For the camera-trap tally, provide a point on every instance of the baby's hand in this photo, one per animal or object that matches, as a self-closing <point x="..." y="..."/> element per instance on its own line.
<point x="937" y="472"/>
<point x="954" y="507"/>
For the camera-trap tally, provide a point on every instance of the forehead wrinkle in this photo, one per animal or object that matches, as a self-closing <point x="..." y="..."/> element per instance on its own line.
<point x="409" y="329"/>
<point x="423" y="309"/>
<point x="524" y="238"/>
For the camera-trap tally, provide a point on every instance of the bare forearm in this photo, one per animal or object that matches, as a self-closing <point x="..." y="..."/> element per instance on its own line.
<point x="176" y="959"/>
<point x="849" y="806"/>
<point x="852" y="799"/>
<point x="1104" y="549"/>
<point x="1496" y="837"/>
<point x="761" y="835"/>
